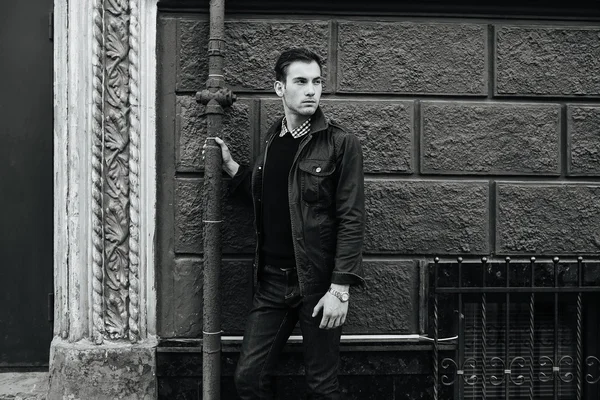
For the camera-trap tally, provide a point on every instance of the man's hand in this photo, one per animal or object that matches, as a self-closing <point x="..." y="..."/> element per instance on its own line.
<point x="334" y="310"/>
<point x="229" y="165"/>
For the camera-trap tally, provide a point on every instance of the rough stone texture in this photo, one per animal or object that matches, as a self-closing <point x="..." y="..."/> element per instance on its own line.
<point x="252" y="47"/>
<point x="412" y="58"/>
<point x="391" y="302"/>
<point x="238" y="234"/>
<point x="186" y="300"/>
<point x="82" y="371"/>
<point x="396" y="361"/>
<point x="377" y="375"/>
<point x="191" y="389"/>
<point x="483" y="138"/>
<point x="357" y="387"/>
<point x="270" y="111"/>
<point x="186" y="360"/>
<point x="188" y="216"/>
<point x="351" y="387"/>
<point x="385" y="129"/>
<point x="583" y="127"/>
<point x="548" y="219"/>
<point x="418" y="387"/>
<point x="191" y="132"/>
<point x="187" y="303"/>
<point x="192" y="60"/>
<point x="426" y="217"/>
<point x="365" y="373"/>
<point x="23" y="385"/>
<point x="180" y="388"/>
<point x="555" y="61"/>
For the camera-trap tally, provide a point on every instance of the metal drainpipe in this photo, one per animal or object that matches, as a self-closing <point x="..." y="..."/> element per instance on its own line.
<point x="216" y="97"/>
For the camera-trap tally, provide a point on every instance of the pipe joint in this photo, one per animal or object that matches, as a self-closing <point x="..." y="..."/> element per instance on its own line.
<point x="222" y="96"/>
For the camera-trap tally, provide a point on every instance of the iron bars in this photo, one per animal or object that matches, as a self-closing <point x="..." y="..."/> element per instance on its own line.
<point x="527" y="328"/>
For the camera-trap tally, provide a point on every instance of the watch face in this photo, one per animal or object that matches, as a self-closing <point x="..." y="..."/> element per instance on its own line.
<point x="345" y="296"/>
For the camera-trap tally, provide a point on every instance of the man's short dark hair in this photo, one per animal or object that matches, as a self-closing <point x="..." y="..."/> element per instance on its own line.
<point x="291" y="55"/>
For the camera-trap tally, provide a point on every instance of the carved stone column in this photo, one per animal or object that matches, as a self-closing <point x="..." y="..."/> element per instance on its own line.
<point x="104" y="200"/>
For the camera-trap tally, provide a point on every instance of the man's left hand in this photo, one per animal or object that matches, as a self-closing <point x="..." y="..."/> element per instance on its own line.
<point x="334" y="310"/>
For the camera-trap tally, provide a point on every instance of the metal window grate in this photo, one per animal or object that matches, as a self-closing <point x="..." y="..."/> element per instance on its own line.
<point x="545" y="311"/>
<point x="543" y="346"/>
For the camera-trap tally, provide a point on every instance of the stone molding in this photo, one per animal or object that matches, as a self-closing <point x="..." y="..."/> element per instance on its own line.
<point x="97" y="148"/>
<point x="115" y="153"/>
<point x="104" y="171"/>
<point x="104" y="200"/>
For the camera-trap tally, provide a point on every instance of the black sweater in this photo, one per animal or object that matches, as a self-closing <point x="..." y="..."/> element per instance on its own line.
<point x="278" y="248"/>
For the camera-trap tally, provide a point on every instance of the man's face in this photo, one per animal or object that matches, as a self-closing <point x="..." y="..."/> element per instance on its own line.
<point x="301" y="91"/>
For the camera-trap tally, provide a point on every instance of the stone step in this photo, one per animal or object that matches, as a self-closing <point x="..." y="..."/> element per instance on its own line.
<point x="23" y="385"/>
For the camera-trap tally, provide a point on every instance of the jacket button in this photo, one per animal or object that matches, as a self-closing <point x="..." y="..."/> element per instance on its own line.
<point x="318" y="169"/>
<point x="259" y="168"/>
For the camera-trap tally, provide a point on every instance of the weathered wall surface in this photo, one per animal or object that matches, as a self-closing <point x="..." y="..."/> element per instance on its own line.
<point x="480" y="138"/>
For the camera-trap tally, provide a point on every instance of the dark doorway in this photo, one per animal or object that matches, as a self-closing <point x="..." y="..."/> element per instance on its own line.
<point x="26" y="184"/>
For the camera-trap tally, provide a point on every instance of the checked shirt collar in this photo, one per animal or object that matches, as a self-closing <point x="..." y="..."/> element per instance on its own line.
<point x="296" y="133"/>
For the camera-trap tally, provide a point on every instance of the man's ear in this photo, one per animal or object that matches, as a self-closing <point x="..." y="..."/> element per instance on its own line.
<point x="279" y="88"/>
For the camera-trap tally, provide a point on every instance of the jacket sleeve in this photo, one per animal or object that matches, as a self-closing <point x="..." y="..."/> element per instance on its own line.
<point x="241" y="184"/>
<point x="349" y="213"/>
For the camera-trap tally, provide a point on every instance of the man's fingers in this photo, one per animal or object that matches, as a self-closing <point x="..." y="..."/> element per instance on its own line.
<point x="317" y="308"/>
<point x="333" y="323"/>
<point x="219" y="141"/>
<point x="324" y="322"/>
<point x="343" y="321"/>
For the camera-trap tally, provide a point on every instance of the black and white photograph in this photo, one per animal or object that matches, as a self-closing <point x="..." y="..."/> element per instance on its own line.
<point x="299" y="200"/>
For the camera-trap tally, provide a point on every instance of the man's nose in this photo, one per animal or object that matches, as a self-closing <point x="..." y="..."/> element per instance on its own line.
<point x="310" y="89"/>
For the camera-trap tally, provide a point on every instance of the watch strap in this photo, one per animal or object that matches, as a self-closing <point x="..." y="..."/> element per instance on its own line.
<point x="342" y="296"/>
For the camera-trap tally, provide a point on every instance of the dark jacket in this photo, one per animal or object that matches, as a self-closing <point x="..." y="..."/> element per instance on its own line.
<point x="327" y="207"/>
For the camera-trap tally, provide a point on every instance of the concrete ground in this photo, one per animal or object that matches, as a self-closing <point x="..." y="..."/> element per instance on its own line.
<point x="23" y="385"/>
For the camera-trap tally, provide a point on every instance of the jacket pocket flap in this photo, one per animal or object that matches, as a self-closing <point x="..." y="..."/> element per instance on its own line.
<point x="317" y="167"/>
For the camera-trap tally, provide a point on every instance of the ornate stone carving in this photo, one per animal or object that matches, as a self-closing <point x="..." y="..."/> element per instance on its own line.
<point x="134" y="172"/>
<point x="116" y="169"/>
<point x="97" y="138"/>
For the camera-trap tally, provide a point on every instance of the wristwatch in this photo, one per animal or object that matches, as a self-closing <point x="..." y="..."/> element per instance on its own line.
<point x="343" y="296"/>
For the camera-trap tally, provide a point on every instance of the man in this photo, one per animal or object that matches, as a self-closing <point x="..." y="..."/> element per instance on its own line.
<point x="307" y="192"/>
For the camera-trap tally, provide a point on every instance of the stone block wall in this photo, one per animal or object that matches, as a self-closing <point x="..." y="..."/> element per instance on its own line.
<point x="480" y="138"/>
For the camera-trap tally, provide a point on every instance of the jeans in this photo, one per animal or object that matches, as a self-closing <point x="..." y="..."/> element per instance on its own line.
<point x="277" y="307"/>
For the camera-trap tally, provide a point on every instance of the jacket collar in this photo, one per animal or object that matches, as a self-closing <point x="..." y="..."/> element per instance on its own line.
<point x="318" y="123"/>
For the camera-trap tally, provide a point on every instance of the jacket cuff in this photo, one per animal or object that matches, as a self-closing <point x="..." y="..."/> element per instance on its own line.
<point x="238" y="178"/>
<point x="347" y="278"/>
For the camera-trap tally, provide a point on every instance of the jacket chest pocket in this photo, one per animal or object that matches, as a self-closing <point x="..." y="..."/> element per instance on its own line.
<point x="318" y="186"/>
